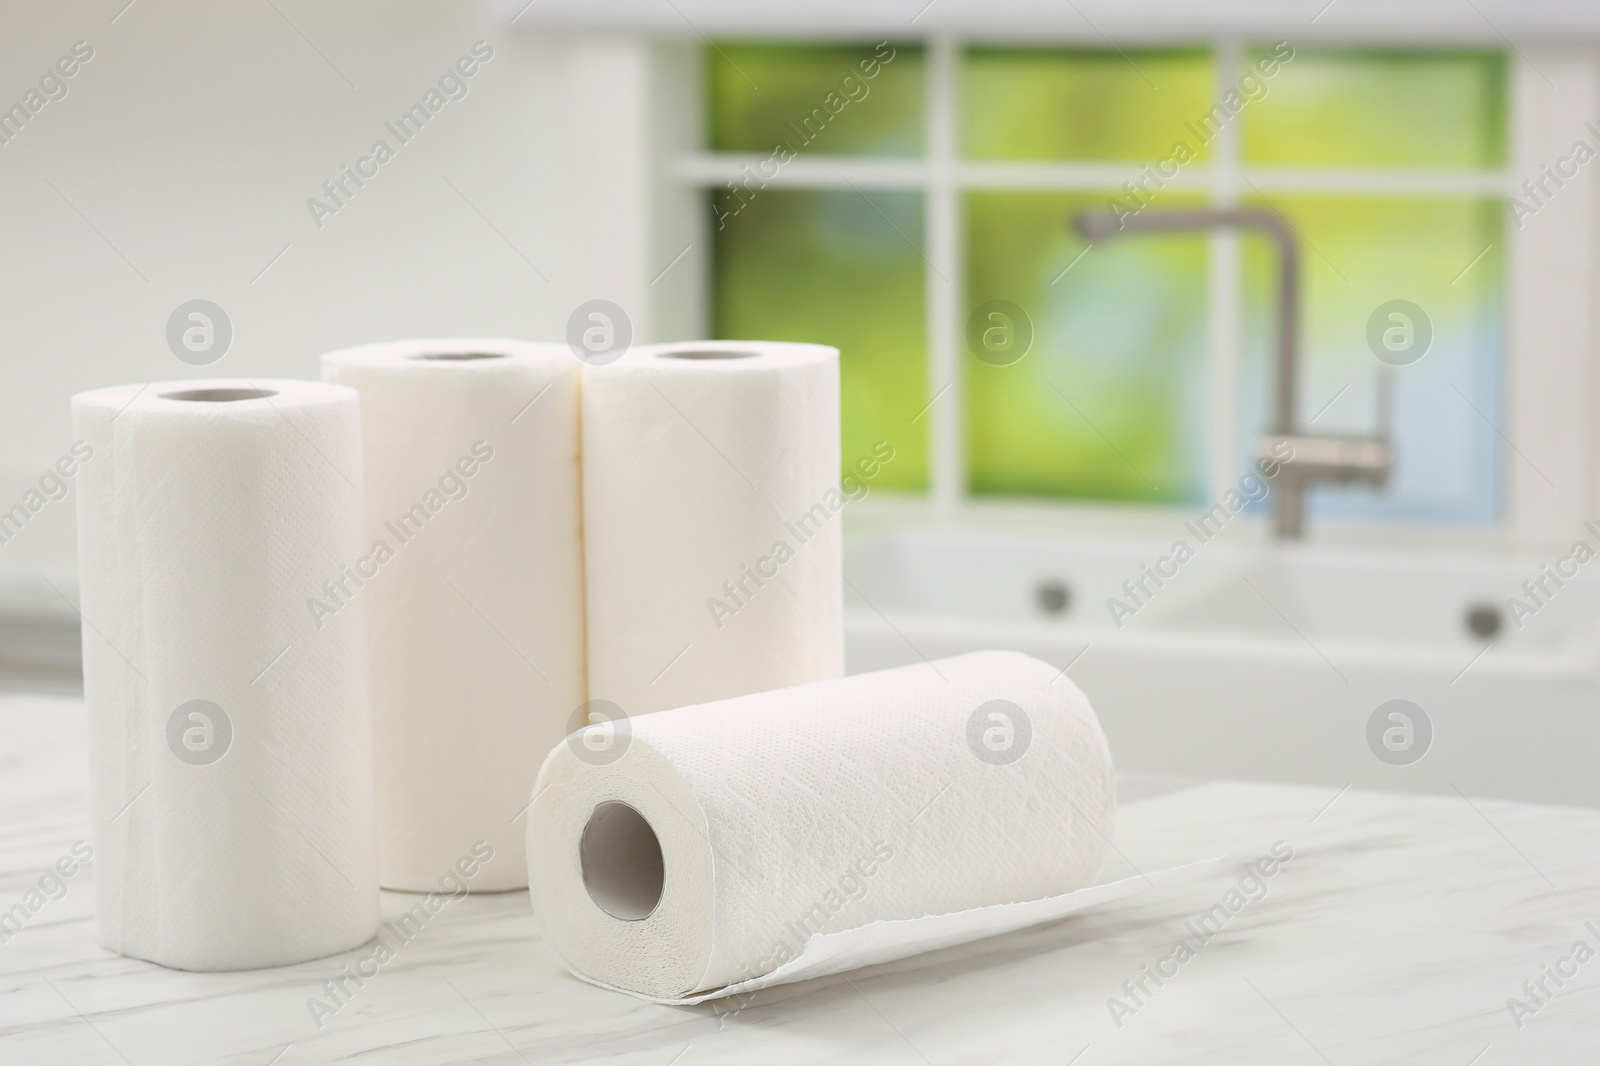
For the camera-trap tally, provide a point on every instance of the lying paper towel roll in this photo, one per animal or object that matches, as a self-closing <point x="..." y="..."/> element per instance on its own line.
<point x="713" y="849"/>
<point x="230" y="734"/>
<point x="474" y="578"/>
<point x="711" y="522"/>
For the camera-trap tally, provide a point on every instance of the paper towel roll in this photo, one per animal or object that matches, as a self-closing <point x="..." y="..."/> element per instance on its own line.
<point x="713" y="849"/>
<point x="230" y="734"/>
<point x="711" y="525"/>
<point x="474" y="581"/>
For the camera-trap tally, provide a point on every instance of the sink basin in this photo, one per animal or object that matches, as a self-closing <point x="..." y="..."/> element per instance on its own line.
<point x="1368" y="602"/>
<point x="1265" y="661"/>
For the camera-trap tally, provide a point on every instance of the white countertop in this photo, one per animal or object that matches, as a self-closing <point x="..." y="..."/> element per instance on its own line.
<point x="1396" y="933"/>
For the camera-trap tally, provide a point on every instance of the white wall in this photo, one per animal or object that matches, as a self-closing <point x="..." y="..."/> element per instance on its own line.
<point x="191" y="142"/>
<point x="1552" y="458"/>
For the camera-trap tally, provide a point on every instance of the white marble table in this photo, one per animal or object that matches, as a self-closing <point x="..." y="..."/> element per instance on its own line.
<point x="1395" y="934"/>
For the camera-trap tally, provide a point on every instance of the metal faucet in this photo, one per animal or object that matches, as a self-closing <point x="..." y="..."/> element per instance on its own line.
<point x="1310" y="458"/>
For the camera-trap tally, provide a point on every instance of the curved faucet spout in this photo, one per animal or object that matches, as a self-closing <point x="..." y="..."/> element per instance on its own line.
<point x="1298" y="461"/>
<point x="1097" y="226"/>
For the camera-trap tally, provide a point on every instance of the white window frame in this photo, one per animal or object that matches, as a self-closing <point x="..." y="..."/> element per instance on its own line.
<point x="1549" y="423"/>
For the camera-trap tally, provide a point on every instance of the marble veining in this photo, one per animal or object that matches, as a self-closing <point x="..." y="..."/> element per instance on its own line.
<point x="1396" y="933"/>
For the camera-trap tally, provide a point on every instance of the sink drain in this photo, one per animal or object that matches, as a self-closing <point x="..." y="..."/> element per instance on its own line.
<point x="1053" y="596"/>
<point x="1484" y="620"/>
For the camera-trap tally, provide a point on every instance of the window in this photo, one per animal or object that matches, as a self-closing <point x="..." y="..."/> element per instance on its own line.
<point x="875" y="196"/>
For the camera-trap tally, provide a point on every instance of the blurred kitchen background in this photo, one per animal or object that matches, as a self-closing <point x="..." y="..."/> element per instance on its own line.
<point x="882" y="177"/>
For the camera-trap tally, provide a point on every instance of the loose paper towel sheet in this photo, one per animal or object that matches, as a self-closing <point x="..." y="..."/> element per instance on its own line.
<point x="887" y="941"/>
<point x="711" y="522"/>
<point x="230" y="735"/>
<point x="821" y="828"/>
<point x="474" y="579"/>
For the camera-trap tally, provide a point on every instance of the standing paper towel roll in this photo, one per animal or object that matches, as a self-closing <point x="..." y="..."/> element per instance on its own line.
<point x="711" y="525"/>
<point x="229" y="729"/>
<point x="719" y="848"/>
<point x="474" y="577"/>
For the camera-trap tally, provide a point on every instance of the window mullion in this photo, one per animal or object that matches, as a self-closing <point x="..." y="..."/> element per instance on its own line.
<point x="1223" y="269"/>
<point x="943" y="283"/>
